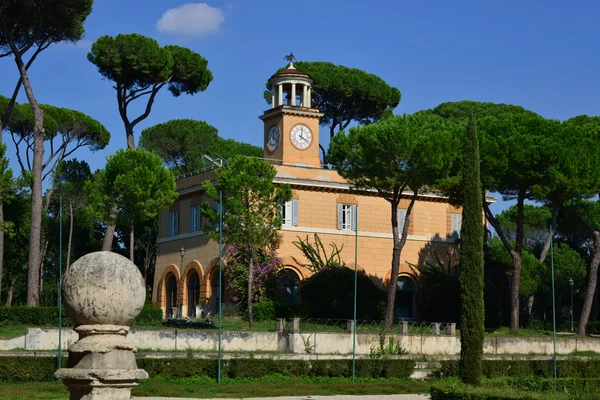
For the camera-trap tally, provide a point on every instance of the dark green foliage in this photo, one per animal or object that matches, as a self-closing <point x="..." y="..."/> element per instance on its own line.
<point x="140" y="68"/>
<point x="252" y="218"/>
<point x="264" y="310"/>
<point x="593" y="328"/>
<point x="256" y="368"/>
<point x="173" y="368"/>
<point x="317" y="255"/>
<point x="528" y="388"/>
<point x="150" y="316"/>
<point x="32" y="316"/>
<point x="530" y="368"/>
<point x="330" y="294"/>
<point x="28" y="369"/>
<point x="283" y="309"/>
<point x="347" y="94"/>
<point x="48" y="316"/>
<point x="471" y="263"/>
<point x="39" y="369"/>
<point x="134" y="181"/>
<point x="182" y="143"/>
<point x="438" y="298"/>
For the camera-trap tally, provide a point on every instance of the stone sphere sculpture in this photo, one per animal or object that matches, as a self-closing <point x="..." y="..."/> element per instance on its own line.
<point x="103" y="293"/>
<point x="103" y="288"/>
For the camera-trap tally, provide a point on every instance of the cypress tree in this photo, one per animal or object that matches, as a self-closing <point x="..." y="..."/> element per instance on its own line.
<point x="471" y="263"/>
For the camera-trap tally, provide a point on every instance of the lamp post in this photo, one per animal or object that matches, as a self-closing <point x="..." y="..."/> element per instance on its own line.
<point x="181" y="253"/>
<point x="571" y="284"/>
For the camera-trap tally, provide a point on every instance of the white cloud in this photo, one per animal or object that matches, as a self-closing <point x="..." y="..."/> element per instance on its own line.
<point x="192" y="20"/>
<point x="83" y="44"/>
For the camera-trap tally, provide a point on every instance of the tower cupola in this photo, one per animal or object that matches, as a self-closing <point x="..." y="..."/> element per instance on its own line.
<point x="290" y="87"/>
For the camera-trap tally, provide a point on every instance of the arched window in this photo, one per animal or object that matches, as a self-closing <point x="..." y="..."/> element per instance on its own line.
<point x="290" y="282"/>
<point x="193" y="292"/>
<point x="404" y="307"/>
<point x="215" y="293"/>
<point x="171" y="295"/>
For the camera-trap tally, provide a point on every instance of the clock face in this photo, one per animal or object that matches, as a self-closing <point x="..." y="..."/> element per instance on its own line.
<point x="273" y="138"/>
<point x="301" y="136"/>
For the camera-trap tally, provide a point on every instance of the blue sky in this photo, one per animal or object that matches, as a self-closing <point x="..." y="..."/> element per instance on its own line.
<point x="542" y="55"/>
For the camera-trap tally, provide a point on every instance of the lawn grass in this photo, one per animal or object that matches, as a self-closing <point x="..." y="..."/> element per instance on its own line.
<point x="203" y="387"/>
<point x="12" y="331"/>
<point x="523" y="332"/>
<point x="237" y="324"/>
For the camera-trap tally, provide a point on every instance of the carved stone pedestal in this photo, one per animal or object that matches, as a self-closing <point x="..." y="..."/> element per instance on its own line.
<point x="101" y="364"/>
<point x="103" y="293"/>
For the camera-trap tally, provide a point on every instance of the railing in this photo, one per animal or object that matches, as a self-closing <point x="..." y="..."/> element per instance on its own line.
<point x="304" y="325"/>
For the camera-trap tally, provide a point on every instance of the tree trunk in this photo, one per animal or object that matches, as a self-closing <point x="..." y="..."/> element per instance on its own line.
<point x="515" y="254"/>
<point x="42" y="257"/>
<point x="543" y="255"/>
<point x="131" y="240"/>
<point x="109" y="232"/>
<point x="35" y="231"/>
<point x="591" y="286"/>
<point x="1" y="230"/>
<point x="250" y="278"/>
<point x="399" y="241"/>
<point x="130" y="140"/>
<point x="514" y="291"/>
<point x="11" y="290"/>
<point x="70" y="237"/>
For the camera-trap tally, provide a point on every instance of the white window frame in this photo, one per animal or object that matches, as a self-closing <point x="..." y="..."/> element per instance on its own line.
<point x="401" y="220"/>
<point x="456" y="220"/>
<point x="195" y="218"/>
<point x="289" y="213"/>
<point x="174" y="223"/>
<point x="347" y="217"/>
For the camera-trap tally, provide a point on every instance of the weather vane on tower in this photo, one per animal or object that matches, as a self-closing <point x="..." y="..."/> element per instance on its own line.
<point x="290" y="58"/>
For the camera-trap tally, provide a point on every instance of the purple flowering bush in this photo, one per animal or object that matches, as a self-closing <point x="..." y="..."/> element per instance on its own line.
<point x="266" y="266"/>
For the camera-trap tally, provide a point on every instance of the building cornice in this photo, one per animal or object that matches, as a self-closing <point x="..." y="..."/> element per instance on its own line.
<point x="293" y="110"/>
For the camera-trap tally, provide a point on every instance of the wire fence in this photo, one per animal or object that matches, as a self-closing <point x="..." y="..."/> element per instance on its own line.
<point x="305" y="325"/>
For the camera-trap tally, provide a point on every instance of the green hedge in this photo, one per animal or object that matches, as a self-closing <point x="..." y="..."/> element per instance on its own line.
<point x="486" y="393"/>
<point x="48" y="316"/>
<point x="255" y="368"/>
<point x="39" y="369"/>
<point x="33" y="316"/>
<point x="530" y="368"/>
<point x="593" y="327"/>
<point x="518" y="388"/>
<point x="28" y="369"/>
<point x="150" y="316"/>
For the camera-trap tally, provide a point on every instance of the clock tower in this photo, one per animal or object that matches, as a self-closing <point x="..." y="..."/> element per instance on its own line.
<point x="291" y="131"/>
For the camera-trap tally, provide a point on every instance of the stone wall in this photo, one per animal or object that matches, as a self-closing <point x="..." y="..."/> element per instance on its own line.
<point x="38" y="339"/>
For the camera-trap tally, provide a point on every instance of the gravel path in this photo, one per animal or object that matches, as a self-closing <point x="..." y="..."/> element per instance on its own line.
<point x="340" y="397"/>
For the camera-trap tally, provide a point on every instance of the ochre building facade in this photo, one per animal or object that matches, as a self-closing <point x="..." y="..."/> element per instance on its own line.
<point x="323" y="203"/>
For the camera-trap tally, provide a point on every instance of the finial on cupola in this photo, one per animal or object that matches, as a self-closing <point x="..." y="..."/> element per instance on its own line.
<point x="290" y="58"/>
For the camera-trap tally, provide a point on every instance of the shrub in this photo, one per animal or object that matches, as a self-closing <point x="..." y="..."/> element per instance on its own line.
<point x="32" y="316"/>
<point x="531" y="368"/>
<point x="287" y="310"/>
<point x="593" y="327"/>
<point x="518" y="388"/>
<point x="264" y="310"/>
<point x="20" y="369"/>
<point x="28" y="369"/>
<point x="330" y="294"/>
<point x="150" y="316"/>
